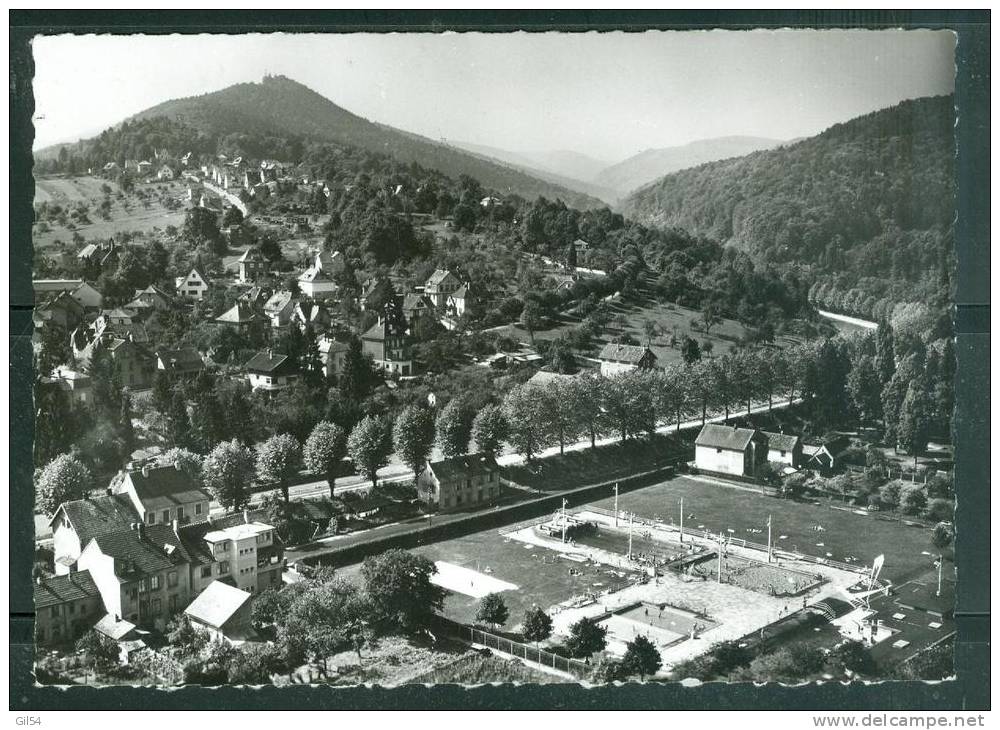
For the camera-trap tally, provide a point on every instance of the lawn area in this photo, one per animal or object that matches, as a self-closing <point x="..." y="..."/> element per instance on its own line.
<point x="845" y="535"/>
<point x="137" y="217"/>
<point x="543" y="578"/>
<point x="669" y="318"/>
<point x="591" y="466"/>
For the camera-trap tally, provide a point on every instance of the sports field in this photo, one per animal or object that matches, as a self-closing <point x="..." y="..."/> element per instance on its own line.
<point x="813" y="529"/>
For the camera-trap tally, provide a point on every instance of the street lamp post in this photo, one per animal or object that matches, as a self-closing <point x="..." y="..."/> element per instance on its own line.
<point x="682" y="519"/>
<point x="564" y="503"/>
<point x="616" y="504"/>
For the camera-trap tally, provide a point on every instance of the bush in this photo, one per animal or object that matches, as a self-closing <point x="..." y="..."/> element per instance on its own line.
<point x="940" y="510"/>
<point x="913" y="499"/>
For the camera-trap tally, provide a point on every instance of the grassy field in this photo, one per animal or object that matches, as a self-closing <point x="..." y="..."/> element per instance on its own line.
<point x="477" y="669"/>
<point x="669" y="318"/>
<point x="845" y="534"/>
<point x="126" y="215"/>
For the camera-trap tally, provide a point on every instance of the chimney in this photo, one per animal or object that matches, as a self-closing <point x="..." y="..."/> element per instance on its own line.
<point x="246" y="517"/>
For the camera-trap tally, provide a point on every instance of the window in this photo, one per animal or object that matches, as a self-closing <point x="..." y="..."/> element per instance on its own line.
<point x="224" y="567"/>
<point x="172" y="579"/>
<point x="468" y="484"/>
<point x="718" y="451"/>
<point x="197" y="509"/>
<point x="489" y="477"/>
<point x="157" y="605"/>
<point x="54" y="611"/>
<point x="206" y="571"/>
<point x="151" y="518"/>
<point x="782" y="453"/>
<point x="180" y="513"/>
<point x="172" y="603"/>
<point x="154" y="583"/>
<point x="166" y="516"/>
<point x="72" y="608"/>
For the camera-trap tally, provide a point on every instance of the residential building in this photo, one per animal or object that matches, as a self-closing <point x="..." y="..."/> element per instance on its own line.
<point x="308" y="312"/>
<point x="729" y="450"/>
<point x="268" y="370"/>
<point x="240" y="316"/>
<point x="164" y="494"/>
<point x="194" y="286"/>
<point x="238" y="548"/>
<point x="317" y="284"/>
<point x="59" y="309"/>
<point x="279" y="308"/>
<point x="222" y="611"/>
<point x="441" y="284"/>
<point x="826" y="457"/>
<point x="83" y="293"/>
<point x="77" y="385"/>
<point x="783" y="448"/>
<point x="389" y="344"/>
<point x="375" y="292"/>
<point x="182" y="364"/>
<point x="252" y="265"/>
<point x="134" y="363"/>
<point x="416" y="305"/>
<point x="149" y="300"/>
<point x="333" y="353"/>
<point x="66" y="606"/>
<point x="460" y="301"/>
<point x="616" y="359"/>
<point x="166" y="172"/>
<point x="142" y="573"/>
<point x="77" y="522"/>
<point x="460" y="482"/>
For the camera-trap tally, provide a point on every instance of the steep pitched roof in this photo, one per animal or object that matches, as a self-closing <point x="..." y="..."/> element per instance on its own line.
<point x="267" y="361"/>
<point x="217" y="604"/>
<point x="718" y="436"/>
<point x="781" y="441"/>
<point x="135" y="555"/>
<point x="114" y="628"/>
<point x="252" y="255"/>
<point x="165" y="486"/>
<point x="182" y="360"/>
<point x="382" y="329"/>
<point x="278" y="302"/>
<point x="98" y="515"/>
<point x="63" y="588"/>
<point x="632" y="354"/>
<point x="413" y="300"/>
<point x="438" y="277"/>
<point x="240" y="313"/>
<point x="464" y="467"/>
<point x="313" y="275"/>
<point x="328" y="346"/>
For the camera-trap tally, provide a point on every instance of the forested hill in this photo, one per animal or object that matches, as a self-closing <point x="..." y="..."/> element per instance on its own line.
<point x="284" y="108"/>
<point x="868" y="203"/>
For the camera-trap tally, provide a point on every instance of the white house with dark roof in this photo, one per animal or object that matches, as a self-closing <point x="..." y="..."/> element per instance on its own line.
<point x="66" y="606"/>
<point x="163" y="494"/>
<point x="783" y="448"/>
<point x="279" y="308"/>
<point x="269" y="370"/>
<point x="87" y="296"/>
<point x="460" y="482"/>
<point x="616" y="359"/>
<point x="181" y="363"/>
<point x="252" y="265"/>
<point x="440" y="285"/>
<point x="194" y="286"/>
<point x="78" y="521"/>
<point x="333" y="353"/>
<point x="729" y="450"/>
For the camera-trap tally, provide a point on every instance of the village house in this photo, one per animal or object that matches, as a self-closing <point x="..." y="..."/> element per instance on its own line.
<point x="240" y="316"/>
<point x="78" y="521"/>
<point x="460" y="482"/>
<point x="616" y="359"/>
<point x="269" y="370"/>
<point x="99" y="255"/>
<point x="826" y="457"/>
<point x="252" y="265"/>
<point x="83" y="293"/>
<point x="151" y="299"/>
<point x="222" y="612"/>
<point x="460" y="301"/>
<point x="181" y="364"/>
<point x="389" y="344"/>
<point x="194" y="286"/>
<point x="60" y="310"/>
<point x="66" y="606"/>
<point x="317" y="283"/>
<point x="729" y="450"/>
<point x="164" y="494"/>
<point x="133" y="362"/>
<point x="237" y="548"/>
<point x="279" y="308"/>
<point x="76" y="384"/>
<point x="144" y="167"/>
<point x="441" y="284"/>
<point x="142" y="573"/>
<point x="166" y="172"/>
<point x="784" y="449"/>
<point x="416" y="305"/>
<point x="375" y="292"/>
<point x="333" y="353"/>
<point x="308" y="312"/>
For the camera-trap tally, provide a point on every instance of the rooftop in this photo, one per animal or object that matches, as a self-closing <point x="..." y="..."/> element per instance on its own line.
<point x="62" y="588"/>
<point x="464" y="467"/>
<point x="165" y="486"/>
<point x="217" y="604"/>
<point x="632" y="354"/>
<point x="781" y="441"/>
<point x="238" y="532"/>
<point x="268" y="361"/>
<point x="725" y="437"/>
<point x="98" y="515"/>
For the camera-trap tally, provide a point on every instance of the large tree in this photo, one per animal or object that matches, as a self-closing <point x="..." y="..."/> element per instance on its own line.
<point x="398" y="584"/>
<point x="413" y="437"/>
<point x="586" y="637"/>
<point x="560" y="416"/>
<point x="864" y="389"/>
<point x="227" y="471"/>
<point x="523" y="411"/>
<point x="641" y="657"/>
<point x="63" y="479"/>
<point x="536" y="626"/>
<point x="492" y="610"/>
<point x="914" y="425"/>
<point x="369" y="445"/>
<point x="324" y="451"/>
<point x="454" y="428"/>
<point x="278" y="460"/>
<point x="489" y="429"/>
<point x="585" y="395"/>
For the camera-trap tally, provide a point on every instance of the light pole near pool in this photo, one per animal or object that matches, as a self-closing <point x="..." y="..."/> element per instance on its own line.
<point x="564" y="503"/>
<point x="769" y="538"/>
<point x="616" y="504"/>
<point x="682" y="519"/>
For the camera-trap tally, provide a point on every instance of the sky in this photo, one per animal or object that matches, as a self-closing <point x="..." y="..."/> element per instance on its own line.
<point x="606" y="95"/>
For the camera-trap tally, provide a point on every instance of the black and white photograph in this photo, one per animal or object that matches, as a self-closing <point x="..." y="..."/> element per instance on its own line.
<point x="469" y="358"/>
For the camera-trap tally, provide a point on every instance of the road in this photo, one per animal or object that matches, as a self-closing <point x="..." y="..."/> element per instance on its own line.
<point x="864" y="323"/>
<point x="320" y="487"/>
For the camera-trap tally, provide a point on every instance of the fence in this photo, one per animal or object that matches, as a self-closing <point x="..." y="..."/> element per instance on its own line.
<point x="535" y="655"/>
